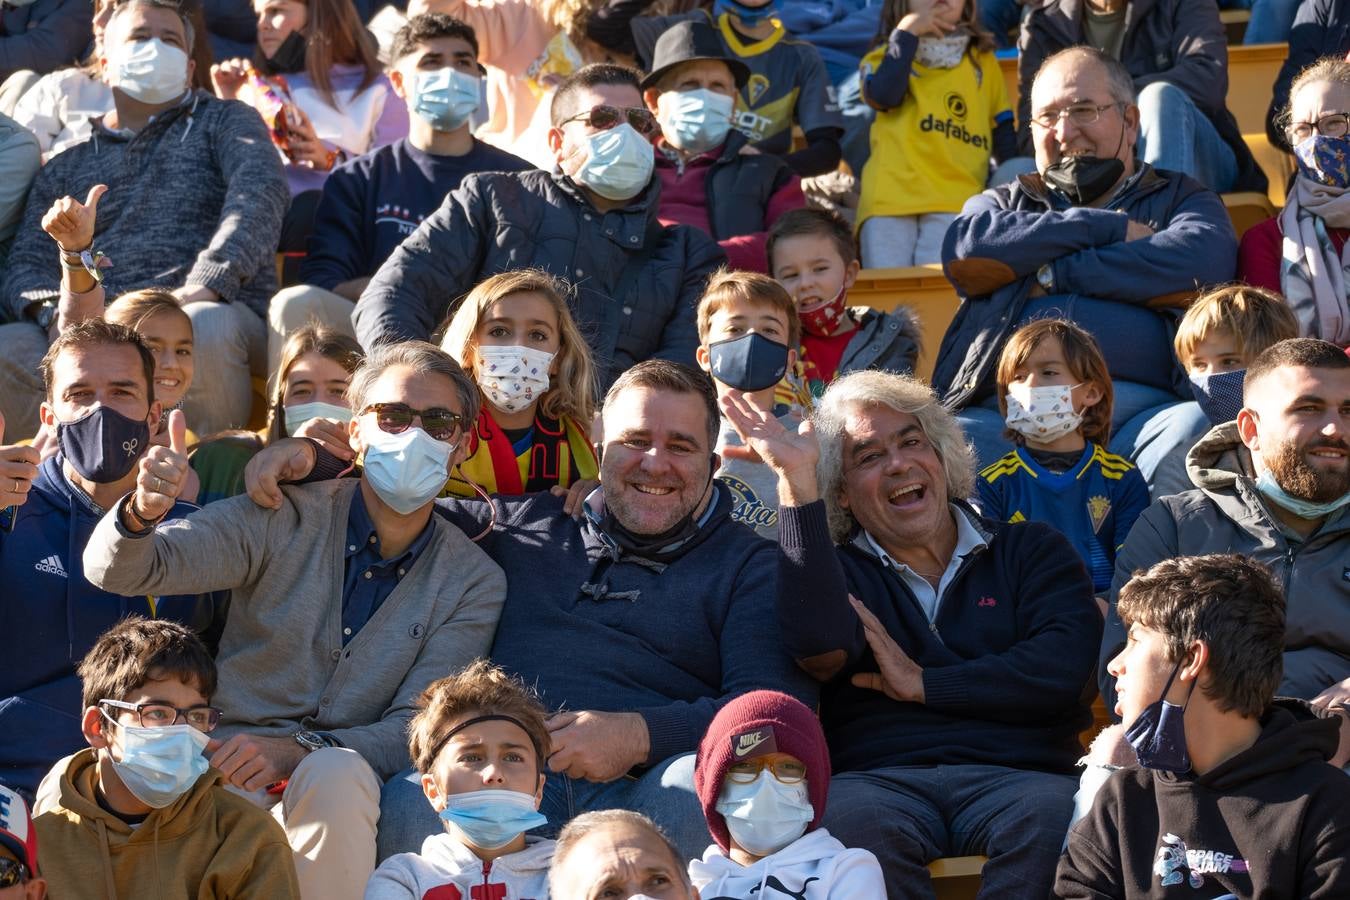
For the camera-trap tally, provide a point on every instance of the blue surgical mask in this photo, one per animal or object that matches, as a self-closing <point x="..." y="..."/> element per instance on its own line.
<point x="158" y="765"/>
<point x="750" y="362"/>
<point x="765" y="815"/>
<point x="301" y="413"/>
<point x="1158" y="736"/>
<point x="494" y="818"/>
<point x="103" y="445"/>
<point x="445" y="98"/>
<point x="619" y="163"/>
<point x="749" y="15"/>
<point x="406" y="470"/>
<point x="1219" y="394"/>
<point x="695" y="121"/>
<point x="1304" y="509"/>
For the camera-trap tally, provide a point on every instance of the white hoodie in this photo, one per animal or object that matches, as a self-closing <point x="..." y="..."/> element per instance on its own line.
<point x="444" y="861"/>
<point x="813" y="867"/>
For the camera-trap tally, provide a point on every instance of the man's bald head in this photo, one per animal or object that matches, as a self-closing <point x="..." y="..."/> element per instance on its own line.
<point x="617" y="853"/>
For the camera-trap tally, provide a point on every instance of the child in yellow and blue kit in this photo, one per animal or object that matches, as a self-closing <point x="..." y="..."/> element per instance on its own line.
<point x="942" y="115"/>
<point x="1055" y="393"/>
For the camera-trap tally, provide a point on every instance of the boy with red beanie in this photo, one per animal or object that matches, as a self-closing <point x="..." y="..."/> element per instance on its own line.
<point x="762" y="776"/>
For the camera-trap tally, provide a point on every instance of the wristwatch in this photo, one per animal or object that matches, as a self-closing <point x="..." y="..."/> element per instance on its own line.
<point x="1045" y="277"/>
<point x="309" y="740"/>
<point x="45" y="315"/>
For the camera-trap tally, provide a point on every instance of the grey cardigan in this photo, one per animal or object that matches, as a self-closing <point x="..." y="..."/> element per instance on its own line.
<point x="282" y="664"/>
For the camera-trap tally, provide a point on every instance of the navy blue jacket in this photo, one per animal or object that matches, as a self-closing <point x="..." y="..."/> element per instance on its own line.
<point x="44" y="35"/>
<point x="1321" y="28"/>
<point x="1008" y="662"/>
<point x="50" y="616"/>
<point x="1003" y="236"/>
<point x="591" y="627"/>
<point x="498" y="222"/>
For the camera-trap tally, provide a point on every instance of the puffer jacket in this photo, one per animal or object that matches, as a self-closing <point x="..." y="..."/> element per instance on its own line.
<point x="496" y="222"/>
<point x="1225" y="514"/>
<point x="1180" y="42"/>
<point x="884" y="340"/>
<point x="1003" y="236"/>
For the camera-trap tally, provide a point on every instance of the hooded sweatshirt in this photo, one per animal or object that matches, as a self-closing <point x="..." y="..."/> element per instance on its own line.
<point x="1268" y="824"/>
<point x="209" y="843"/>
<point x="54" y="615"/>
<point x="1226" y="514"/>
<point x="444" y="861"/>
<point x="813" y="867"/>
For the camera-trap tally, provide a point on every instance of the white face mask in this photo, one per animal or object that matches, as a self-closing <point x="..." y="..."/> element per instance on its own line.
<point x="512" y="377"/>
<point x="1042" y="414"/>
<point x="301" y="413"/>
<point x="406" y="470"/>
<point x="618" y="164"/>
<point x="765" y="815"/>
<point x="149" y="71"/>
<point x="694" y="121"/>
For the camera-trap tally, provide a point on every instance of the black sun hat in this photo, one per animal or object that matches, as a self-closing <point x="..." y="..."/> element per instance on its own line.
<point x="688" y="41"/>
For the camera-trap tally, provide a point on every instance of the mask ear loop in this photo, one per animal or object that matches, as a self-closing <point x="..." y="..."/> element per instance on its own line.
<point x="484" y="496"/>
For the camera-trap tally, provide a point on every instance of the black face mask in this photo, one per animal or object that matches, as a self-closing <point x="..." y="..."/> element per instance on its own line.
<point x="1084" y="178"/>
<point x="103" y="445"/>
<point x="662" y="547"/>
<point x="289" y="58"/>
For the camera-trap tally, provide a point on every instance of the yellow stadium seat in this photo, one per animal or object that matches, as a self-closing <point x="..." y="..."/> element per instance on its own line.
<point x="922" y="288"/>
<point x="1247" y="208"/>
<point x="956" y="877"/>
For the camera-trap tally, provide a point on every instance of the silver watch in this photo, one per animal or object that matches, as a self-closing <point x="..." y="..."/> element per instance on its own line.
<point x="1045" y="277"/>
<point x="309" y="740"/>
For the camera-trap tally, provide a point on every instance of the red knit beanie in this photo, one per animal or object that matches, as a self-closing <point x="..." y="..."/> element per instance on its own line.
<point x="752" y="725"/>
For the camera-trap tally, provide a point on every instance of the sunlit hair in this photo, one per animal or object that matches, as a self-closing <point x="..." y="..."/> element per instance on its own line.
<point x="869" y="388"/>
<point x="1331" y="69"/>
<point x="90" y="334"/>
<point x="480" y="689"/>
<point x="1118" y="79"/>
<point x="571" y="393"/>
<point x="422" y="358"/>
<point x="579" y="828"/>
<point x="334" y="35"/>
<point x="137" y="650"/>
<point x="727" y="288"/>
<point x="1086" y="366"/>
<point x="895" y="10"/>
<point x="666" y="376"/>
<point x="134" y="308"/>
<point x="816" y="222"/>
<point x="312" y="338"/>
<point x="1255" y="317"/>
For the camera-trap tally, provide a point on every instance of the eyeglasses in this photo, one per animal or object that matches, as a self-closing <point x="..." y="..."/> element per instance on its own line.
<point x="158" y="715"/>
<point x="605" y="117"/>
<point x="787" y="771"/>
<point x="1079" y="114"/>
<point x="396" y="418"/>
<point x="1330" y="125"/>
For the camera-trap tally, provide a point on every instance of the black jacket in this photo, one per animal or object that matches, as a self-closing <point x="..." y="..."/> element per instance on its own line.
<point x="1272" y="823"/>
<point x="739" y="187"/>
<point x="496" y="222"/>
<point x="1181" y="42"/>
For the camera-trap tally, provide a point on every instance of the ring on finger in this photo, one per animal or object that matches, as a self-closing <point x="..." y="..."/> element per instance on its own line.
<point x="159" y="485"/>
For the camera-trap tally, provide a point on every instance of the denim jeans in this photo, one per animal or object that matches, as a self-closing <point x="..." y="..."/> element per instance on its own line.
<point x="1174" y="134"/>
<point x="1271" y="20"/>
<point x="1150" y="427"/>
<point x="909" y="816"/>
<point x="665" y="794"/>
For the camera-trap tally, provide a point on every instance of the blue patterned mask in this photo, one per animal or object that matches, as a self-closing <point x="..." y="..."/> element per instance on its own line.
<point x="1325" y="160"/>
<point x="1219" y="394"/>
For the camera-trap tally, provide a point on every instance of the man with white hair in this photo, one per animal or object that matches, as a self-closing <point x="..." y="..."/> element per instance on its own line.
<point x="954" y="650"/>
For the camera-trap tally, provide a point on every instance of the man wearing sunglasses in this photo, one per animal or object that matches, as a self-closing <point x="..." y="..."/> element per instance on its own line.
<point x="1097" y="236"/>
<point x="18" y="851"/>
<point x="593" y="222"/>
<point x="348" y="600"/>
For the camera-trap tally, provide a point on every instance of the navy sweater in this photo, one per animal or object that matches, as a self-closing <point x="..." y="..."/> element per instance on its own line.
<point x="373" y="202"/>
<point x="50" y="616"/>
<point x="1007" y="664"/>
<point x="673" y="642"/>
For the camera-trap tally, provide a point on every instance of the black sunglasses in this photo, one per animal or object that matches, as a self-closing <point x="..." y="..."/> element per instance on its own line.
<point x="396" y="418"/>
<point x="605" y="117"/>
<point x="12" y="872"/>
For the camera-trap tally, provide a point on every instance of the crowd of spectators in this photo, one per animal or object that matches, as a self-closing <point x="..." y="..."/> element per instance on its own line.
<point x="439" y="457"/>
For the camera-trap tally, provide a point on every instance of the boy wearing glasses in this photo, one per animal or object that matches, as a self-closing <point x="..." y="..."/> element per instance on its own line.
<point x="139" y="813"/>
<point x="763" y="776"/>
<point x="347" y="601"/>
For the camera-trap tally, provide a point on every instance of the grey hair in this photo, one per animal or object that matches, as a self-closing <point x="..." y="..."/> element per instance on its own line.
<point x="189" y="35"/>
<point x="586" y="823"/>
<point x="1118" y="79"/>
<point x="902" y="394"/>
<point x="421" y="357"/>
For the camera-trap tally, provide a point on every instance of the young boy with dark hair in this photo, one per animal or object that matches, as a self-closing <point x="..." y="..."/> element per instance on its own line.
<point x="139" y="813"/>
<point x="1233" y="793"/>
<point x="479" y="743"/>
<point x="813" y="254"/>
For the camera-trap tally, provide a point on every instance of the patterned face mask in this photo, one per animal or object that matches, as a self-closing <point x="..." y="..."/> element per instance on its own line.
<point x="1325" y="160"/>
<point x="1042" y="414"/>
<point x="942" y="52"/>
<point x="822" y="319"/>
<point x="513" y="377"/>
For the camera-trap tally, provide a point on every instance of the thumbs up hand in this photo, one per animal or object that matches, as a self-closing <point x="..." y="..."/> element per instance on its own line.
<point x="163" y="475"/>
<point x="71" y="223"/>
<point x="18" y="468"/>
